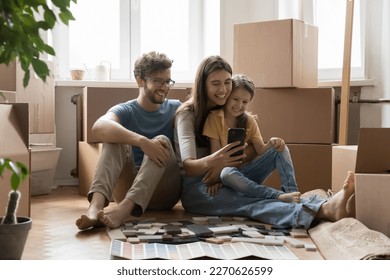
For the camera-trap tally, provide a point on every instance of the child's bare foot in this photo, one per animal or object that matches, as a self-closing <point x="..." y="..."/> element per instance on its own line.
<point x="336" y="208"/>
<point x="290" y="197"/>
<point x="115" y="217"/>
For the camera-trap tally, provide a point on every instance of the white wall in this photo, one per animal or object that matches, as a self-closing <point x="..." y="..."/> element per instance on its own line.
<point x="377" y="64"/>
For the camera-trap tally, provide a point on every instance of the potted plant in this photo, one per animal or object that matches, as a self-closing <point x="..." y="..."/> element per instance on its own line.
<point x="13" y="230"/>
<point x="21" y="25"/>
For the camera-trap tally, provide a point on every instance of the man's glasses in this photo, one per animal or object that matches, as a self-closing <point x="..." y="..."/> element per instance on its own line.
<point x="158" y="82"/>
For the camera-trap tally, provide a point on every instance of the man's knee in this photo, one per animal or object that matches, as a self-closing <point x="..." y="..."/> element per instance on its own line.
<point x="164" y="139"/>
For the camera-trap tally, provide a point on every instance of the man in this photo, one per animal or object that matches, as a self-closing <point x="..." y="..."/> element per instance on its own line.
<point x="137" y="166"/>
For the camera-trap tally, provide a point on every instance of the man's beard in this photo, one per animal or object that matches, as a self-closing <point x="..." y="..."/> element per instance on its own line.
<point x="154" y="97"/>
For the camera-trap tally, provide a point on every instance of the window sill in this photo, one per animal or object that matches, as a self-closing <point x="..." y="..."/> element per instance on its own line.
<point x="111" y="83"/>
<point x="353" y="83"/>
<point x="132" y="84"/>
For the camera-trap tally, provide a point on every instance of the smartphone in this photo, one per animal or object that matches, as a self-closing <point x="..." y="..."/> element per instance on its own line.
<point x="237" y="134"/>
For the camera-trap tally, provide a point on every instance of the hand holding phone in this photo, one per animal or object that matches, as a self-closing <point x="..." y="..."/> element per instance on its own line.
<point x="237" y="134"/>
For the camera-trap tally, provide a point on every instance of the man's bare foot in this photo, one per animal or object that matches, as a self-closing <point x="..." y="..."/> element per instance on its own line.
<point x="294" y="197"/>
<point x="91" y="218"/>
<point x="115" y="217"/>
<point x="336" y="208"/>
<point x="85" y="222"/>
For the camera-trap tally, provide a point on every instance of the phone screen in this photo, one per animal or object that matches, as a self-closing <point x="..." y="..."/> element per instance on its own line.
<point x="236" y="134"/>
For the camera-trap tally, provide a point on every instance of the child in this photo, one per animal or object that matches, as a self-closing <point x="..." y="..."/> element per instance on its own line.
<point x="234" y="115"/>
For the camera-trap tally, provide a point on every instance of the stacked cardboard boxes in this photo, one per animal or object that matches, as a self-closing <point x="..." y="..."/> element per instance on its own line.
<point x="92" y="103"/>
<point x="281" y="57"/>
<point x="370" y="160"/>
<point x="14" y="145"/>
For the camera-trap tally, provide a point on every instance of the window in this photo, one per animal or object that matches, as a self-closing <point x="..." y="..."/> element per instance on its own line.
<point x="329" y="16"/>
<point x="117" y="32"/>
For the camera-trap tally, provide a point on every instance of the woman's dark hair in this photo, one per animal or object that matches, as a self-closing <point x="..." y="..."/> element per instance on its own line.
<point x="242" y="81"/>
<point x="197" y="102"/>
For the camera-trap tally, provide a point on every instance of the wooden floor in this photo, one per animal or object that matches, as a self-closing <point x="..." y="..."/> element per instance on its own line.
<point x="54" y="235"/>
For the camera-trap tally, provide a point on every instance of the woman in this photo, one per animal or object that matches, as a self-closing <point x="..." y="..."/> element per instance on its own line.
<point x="201" y="170"/>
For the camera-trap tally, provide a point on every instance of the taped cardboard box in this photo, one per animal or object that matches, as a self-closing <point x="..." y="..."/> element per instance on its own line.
<point x="372" y="179"/>
<point x="302" y="116"/>
<point x="14" y="144"/>
<point x="279" y="53"/>
<point x="372" y="193"/>
<point x="87" y="158"/>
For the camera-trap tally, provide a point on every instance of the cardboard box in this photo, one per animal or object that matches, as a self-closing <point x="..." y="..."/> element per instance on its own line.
<point x="96" y="102"/>
<point x="297" y="115"/>
<point x="343" y="160"/>
<point x="279" y="53"/>
<point x="372" y="193"/>
<point x="313" y="167"/>
<point x="87" y="158"/>
<point x="14" y="144"/>
<point x="44" y="163"/>
<point x="373" y="154"/>
<point x="8" y="77"/>
<point x="40" y="96"/>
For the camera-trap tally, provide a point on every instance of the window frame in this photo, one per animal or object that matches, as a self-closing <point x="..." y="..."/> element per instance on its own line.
<point x="130" y="48"/>
<point x="356" y="73"/>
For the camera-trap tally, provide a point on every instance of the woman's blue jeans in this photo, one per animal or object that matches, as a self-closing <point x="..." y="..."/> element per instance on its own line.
<point x="230" y="202"/>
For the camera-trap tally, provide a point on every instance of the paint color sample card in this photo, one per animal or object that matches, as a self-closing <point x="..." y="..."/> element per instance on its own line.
<point x="228" y="251"/>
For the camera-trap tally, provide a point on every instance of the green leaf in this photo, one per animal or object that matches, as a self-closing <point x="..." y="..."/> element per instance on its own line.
<point x="26" y="78"/>
<point x="40" y="68"/>
<point x="66" y="16"/>
<point x="18" y="170"/>
<point x="15" y="181"/>
<point x="48" y="49"/>
<point x="50" y="18"/>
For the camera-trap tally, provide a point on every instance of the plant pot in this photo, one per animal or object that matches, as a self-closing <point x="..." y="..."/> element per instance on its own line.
<point x="13" y="238"/>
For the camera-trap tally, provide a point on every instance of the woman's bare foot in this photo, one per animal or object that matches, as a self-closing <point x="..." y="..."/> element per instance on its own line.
<point x="91" y="218"/>
<point x="290" y="197"/>
<point x="351" y="207"/>
<point x="336" y="208"/>
<point x="115" y="217"/>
